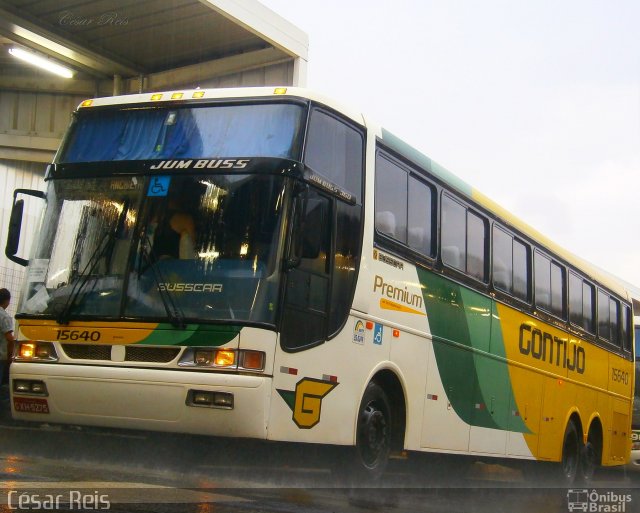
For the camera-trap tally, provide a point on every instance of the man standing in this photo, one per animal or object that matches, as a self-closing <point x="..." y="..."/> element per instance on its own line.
<point x="6" y="333"/>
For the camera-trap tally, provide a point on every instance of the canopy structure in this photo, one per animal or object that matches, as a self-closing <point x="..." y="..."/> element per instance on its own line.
<point x="132" y="46"/>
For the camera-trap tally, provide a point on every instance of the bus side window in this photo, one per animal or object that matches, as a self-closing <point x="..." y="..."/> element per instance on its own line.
<point x="335" y="150"/>
<point x="463" y="239"/>
<point x="391" y="199"/>
<point x="626" y="328"/>
<point x="550" y="285"/>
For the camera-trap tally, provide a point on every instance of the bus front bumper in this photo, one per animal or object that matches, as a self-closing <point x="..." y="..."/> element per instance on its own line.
<point x="208" y="403"/>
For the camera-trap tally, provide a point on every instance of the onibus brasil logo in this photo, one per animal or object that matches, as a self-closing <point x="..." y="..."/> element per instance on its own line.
<point x="597" y="501"/>
<point x="306" y="400"/>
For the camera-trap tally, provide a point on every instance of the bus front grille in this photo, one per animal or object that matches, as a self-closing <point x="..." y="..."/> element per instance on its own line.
<point x="87" y="352"/>
<point x="151" y="354"/>
<point x="132" y="353"/>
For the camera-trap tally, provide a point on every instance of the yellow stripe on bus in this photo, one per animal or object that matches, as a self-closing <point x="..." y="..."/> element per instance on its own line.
<point x="90" y="332"/>
<point x="386" y="304"/>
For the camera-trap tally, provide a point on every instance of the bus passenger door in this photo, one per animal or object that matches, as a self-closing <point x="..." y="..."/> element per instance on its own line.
<point x="305" y="310"/>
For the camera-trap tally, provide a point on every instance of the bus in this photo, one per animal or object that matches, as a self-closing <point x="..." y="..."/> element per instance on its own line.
<point x="266" y="263"/>
<point x="634" y="461"/>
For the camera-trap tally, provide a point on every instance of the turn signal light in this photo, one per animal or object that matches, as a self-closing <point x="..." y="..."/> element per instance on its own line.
<point x="35" y="351"/>
<point x="225" y="358"/>
<point x="27" y="351"/>
<point x="252" y="360"/>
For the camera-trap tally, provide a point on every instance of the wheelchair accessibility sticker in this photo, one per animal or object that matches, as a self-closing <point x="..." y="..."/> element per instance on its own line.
<point x="377" y="334"/>
<point x="159" y="186"/>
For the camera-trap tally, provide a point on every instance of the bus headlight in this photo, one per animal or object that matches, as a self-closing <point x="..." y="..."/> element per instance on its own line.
<point x="35" y="351"/>
<point x="228" y="359"/>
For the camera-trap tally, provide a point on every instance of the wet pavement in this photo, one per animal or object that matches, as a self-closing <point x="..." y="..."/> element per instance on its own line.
<point x="73" y="468"/>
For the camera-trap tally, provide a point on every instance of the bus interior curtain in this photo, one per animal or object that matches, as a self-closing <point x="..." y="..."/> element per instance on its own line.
<point x="135" y="135"/>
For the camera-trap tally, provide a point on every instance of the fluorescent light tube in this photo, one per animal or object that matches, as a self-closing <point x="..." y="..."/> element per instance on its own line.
<point x="41" y="62"/>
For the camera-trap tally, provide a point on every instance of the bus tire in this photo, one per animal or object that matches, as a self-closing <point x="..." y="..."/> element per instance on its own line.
<point x="588" y="462"/>
<point x="571" y="454"/>
<point x="373" y="433"/>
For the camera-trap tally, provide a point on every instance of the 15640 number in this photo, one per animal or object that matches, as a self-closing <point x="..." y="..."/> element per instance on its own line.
<point x="85" y="335"/>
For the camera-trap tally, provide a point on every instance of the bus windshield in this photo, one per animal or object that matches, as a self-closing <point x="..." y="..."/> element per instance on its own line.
<point x="189" y="247"/>
<point x="247" y="130"/>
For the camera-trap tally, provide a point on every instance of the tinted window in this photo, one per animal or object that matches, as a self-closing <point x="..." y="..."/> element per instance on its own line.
<point x="404" y="205"/>
<point x="614" y="313"/>
<point x="334" y="149"/>
<point x="557" y="290"/>
<point x="463" y="237"/>
<point x="510" y="264"/>
<point x="502" y="260"/>
<point x="575" y="299"/>
<point x="521" y="270"/>
<point x="625" y="326"/>
<point x="347" y="248"/>
<point x="305" y="312"/>
<point x="420" y="216"/>
<point x="588" y="304"/>
<point x="476" y="237"/>
<point x="603" y="315"/>
<point x="542" y="267"/>
<point x="223" y="131"/>
<point x="391" y="199"/>
<point x="453" y="233"/>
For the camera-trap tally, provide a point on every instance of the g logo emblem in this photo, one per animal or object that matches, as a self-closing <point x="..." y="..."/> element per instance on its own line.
<point x="306" y="401"/>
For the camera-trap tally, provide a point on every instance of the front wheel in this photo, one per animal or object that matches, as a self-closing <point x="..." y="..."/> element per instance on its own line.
<point x="373" y="434"/>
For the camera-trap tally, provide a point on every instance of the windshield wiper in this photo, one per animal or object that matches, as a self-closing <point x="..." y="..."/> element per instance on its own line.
<point x="87" y="272"/>
<point x="100" y="251"/>
<point x="170" y="304"/>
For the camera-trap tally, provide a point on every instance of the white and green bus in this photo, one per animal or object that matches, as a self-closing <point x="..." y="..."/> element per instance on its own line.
<point x="266" y="263"/>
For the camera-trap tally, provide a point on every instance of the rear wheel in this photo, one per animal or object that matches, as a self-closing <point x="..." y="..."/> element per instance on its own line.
<point x="571" y="452"/>
<point x="589" y="461"/>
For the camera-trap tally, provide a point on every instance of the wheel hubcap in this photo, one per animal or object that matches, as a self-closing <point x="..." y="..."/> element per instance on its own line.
<point x="374" y="434"/>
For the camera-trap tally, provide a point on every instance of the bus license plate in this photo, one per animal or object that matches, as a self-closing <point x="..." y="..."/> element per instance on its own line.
<point x="30" y="405"/>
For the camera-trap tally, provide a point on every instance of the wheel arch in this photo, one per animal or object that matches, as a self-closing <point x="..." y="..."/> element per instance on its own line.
<point x="389" y="381"/>
<point x="596" y="429"/>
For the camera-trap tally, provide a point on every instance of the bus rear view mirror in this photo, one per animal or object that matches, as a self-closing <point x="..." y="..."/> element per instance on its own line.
<point x="13" y="238"/>
<point x="15" y="225"/>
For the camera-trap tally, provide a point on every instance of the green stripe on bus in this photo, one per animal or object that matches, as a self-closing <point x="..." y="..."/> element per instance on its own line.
<point x="408" y="151"/>
<point x="470" y="353"/>
<point x="192" y="335"/>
